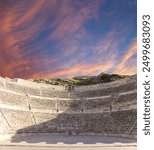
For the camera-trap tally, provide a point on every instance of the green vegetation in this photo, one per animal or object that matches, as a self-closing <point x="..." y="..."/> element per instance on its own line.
<point x="81" y="80"/>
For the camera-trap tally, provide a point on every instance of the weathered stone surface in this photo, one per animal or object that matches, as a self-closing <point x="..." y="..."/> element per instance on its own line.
<point x="97" y="104"/>
<point x="17" y="119"/>
<point x="120" y="122"/>
<point x="94" y="123"/>
<point x="107" y="109"/>
<point x="107" y="85"/>
<point x="13" y="99"/>
<point x="4" y="126"/>
<point x="53" y="93"/>
<point x="63" y="123"/>
<point x="44" y="117"/>
<point x="69" y="105"/>
<point x="42" y="104"/>
<point x="1" y="83"/>
<point x="45" y="123"/>
<point x="69" y="122"/>
<point x="126" y="100"/>
<point x="127" y="97"/>
<point x="22" y="89"/>
<point x="105" y="91"/>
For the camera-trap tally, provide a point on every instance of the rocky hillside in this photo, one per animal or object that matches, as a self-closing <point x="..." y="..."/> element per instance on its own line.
<point x="81" y="80"/>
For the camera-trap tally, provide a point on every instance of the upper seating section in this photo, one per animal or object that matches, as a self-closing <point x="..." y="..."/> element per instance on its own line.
<point x="31" y="88"/>
<point x="105" y="90"/>
<point x="44" y="90"/>
<point x="118" y="95"/>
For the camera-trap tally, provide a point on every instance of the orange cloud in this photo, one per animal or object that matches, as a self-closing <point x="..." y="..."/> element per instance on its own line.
<point x="11" y="60"/>
<point x="70" y="22"/>
<point x="96" y="69"/>
<point x="26" y="50"/>
<point x="68" y="72"/>
<point x="28" y="14"/>
<point x="124" y="67"/>
<point x="81" y="69"/>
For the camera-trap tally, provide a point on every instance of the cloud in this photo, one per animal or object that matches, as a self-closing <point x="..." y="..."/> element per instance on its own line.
<point x="67" y="72"/>
<point x="76" y="15"/>
<point x="80" y="69"/>
<point x="123" y="66"/>
<point x="96" y="69"/>
<point x="49" y="38"/>
<point x="26" y="15"/>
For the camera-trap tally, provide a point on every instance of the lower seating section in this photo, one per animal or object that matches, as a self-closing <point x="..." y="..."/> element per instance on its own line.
<point x="120" y="122"/>
<point x="17" y="119"/>
<point x="95" y="123"/>
<point x="98" y="104"/>
<point x="4" y="126"/>
<point x="134" y="129"/>
<point x="63" y="123"/>
<point x="43" y="117"/>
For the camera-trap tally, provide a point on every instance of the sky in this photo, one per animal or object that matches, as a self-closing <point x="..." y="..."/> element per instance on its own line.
<point x="67" y="38"/>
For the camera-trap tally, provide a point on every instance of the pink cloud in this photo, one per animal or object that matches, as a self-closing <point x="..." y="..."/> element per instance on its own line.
<point x="19" y="25"/>
<point x="123" y="66"/>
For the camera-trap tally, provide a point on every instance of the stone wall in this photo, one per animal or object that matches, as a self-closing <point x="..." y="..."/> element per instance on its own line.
<point x="103" y="109"/>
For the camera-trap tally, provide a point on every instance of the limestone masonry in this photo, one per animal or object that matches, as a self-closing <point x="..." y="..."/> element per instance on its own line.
<point x="102" y="109"/>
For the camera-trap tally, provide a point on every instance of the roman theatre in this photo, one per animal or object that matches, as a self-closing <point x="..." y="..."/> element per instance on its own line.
<point x="92" y="115"/>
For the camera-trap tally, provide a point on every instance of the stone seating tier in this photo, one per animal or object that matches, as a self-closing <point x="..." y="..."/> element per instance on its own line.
<point x="103" y="109"/>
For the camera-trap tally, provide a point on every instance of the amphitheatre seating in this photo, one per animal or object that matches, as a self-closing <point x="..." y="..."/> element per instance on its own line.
<point x="104" y="109"/>
<point x="120" y="122"/>
<point x="69" y="106"/>
<point x="105" y="91"/>
<point x="125" y="100"/>
<point x="42" y="104"/>
<point x="97" y="104"/>
<point x="52" y="93"/>
<point x="17" y="119"/>
<point x="127" y="97"/>
<point x="13" y="99"/>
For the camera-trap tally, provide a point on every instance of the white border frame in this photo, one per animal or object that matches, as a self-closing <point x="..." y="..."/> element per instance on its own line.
<point x="144" y="142"/>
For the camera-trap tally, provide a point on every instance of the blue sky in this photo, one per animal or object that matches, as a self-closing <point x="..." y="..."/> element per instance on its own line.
<point x="66" y="38"/>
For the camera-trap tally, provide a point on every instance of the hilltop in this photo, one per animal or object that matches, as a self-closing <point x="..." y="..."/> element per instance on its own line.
<point x="81" y="80"/>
